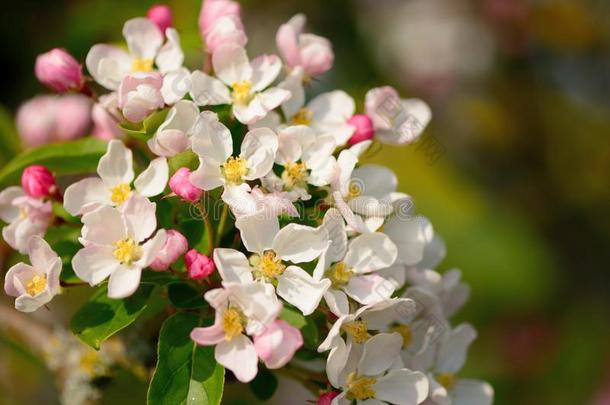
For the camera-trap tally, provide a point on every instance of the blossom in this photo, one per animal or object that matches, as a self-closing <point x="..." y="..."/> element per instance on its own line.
<point x="139" y="95"/>
<point x="174" y="247"/>
<point x="161" y="15"/>
<point x="26" y="217"/>
<point x="38" y="181"/>
<point x="364" y="129"/>
<point x="106" y="117"/>
<point x="118" y="244"/>
<point x="59" y="71"/>
<point x="36" y="284"/>
<point x="173" y="135"/>
<point x="272" y="248"/>
<point x="241" y="310"/>
<point x="311" y="52"/>
<point x="199" y="266"/>
<point x="181" y="185"/>
<point x="242" y="83"/>
<point x="220" y="24"/>
<point x="277" y="344"/>
<point x="451" y="292"/>
<point x="113" y="187"/>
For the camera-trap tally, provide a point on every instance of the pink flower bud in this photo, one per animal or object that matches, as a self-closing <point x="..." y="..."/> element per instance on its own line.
<point x="213" y="10"/>
<point x="59" y="71"/>
<point x="161" y="15"/>
<point x="278" y="343"/>
<point x="140" y="95"/>
<point x="364" y="129"/>
<point x="175" y="246"/>
<point x="199" y="266"/>
<point x="327" y="398"/>
<point x="37" y="181"/>
<point x="220" y="24"/>
<point x="181" y="185"/>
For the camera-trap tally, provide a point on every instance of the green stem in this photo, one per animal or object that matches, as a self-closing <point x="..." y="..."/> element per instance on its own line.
<point x="223" y="222"/>
<point x="208" y="227"/>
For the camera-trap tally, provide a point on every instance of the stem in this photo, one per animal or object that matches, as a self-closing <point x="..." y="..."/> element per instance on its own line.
<point x="208" y="227"/>
<point x="223" y="221"/>
<point x="64" y="284"/>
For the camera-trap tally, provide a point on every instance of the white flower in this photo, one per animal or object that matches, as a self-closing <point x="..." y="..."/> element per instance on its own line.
<point x="411" y="234"/>
<point x="110" y="64"/>
<point x="306" y="159"/>
<point x="244" y="203"/>
<point x="26" y="217"/>
<point x="36" y="284"/>
<point x="451" y="292"/>
<point x="113" y="187"/>
<point x="351" y="269"/>
<point x="273" y="248"/>
<point x="117" y="244"/>
<point x="213" y="143"/>
<point x="366" y="380"/>
<point x="241" y="309"/>
<point x="243" y="83"/>
<point x="173" y="135"/>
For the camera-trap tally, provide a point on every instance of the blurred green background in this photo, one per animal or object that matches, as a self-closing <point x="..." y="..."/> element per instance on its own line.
<point x="514" y="170"/>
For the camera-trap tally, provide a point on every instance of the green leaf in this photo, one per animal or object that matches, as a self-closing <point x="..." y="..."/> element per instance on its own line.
<point x="185" y="159"/>
<point x="184" y="296"/>
<point x="102" y="317"/>
<point x="64" y="241"/>
<point x="144" y="130"/>
<point x="307" y="326"/>
<point x="9" y="140"/>
<point x="264" y="384"/>
<point x="186" y="374"/>
<point x="79" y="156"/>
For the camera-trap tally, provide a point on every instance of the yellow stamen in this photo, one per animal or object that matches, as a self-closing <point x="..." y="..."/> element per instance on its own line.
<point x="234" y="170"/>
<point x="36" y="285"/>
<point x="127" y="251"/>
<point x="89" y="361"/>
<point x="405" y="332"/>
<point x="360" y="387"/>
<point x="267" y="266"/>
<point x="447" y="380"/>
<point x="141" y="65"/>
<point x="233" y="322"/>
<point x="120" y="193"/>
<point x="23" y="213"/>
<point x="353" y="190"/>
<point x="295" y="175"/>
<point x="339" y="274"/>
<point x="358" y="330"/>
<point x="242" y="92"/>
<point x="302" y="117"/>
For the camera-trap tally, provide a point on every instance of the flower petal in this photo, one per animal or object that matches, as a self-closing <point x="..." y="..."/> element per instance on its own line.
<point x="207" y="90"/>
<point x="170" y="56"/>
<point x="211" y="139"/>
<point x="116" y="166"/>
<point x="232" y="265"/>
<point x="377" y="181"/>
<point x="369" y="288"/>
<point x="104" y="226"/>
<point x="370" y="252"/>
<point x="108" y="65"/>
<point x="298" y="288"/>
<point x="175" y="85"/>
<point x="152" y="181"/>
<point x="208" y="336"/>
<point x="472" y="392"/>
<point x="8" y="211"/>
<point x="139" y="213"/>
<point x="86" y="195"/>
<point x="258" y="149"/>
<point x="151" y="249"/>
<point x="143" y="37"/>
<point x="94" y="263"/>
<point x="258" y="231"/>
<point x="231" y="64"/>
<point x="265" y="69"/>
<point x="124" y="281"/>
<point x="380" y="352"/>
<point x="299" y="243"/>
<point x="402" y="387"/>
<point x="239" y="356"/>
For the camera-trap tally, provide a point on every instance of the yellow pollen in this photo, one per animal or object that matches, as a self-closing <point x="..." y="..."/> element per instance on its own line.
<point x="294" y="174"/>
<point x="89" y="361"/>
<point x="232" y="323"/>
<point x="127" y="251"/>
<point x="358" y="330"/>
<point x="120" y="193"/>
<point x="302" y="117"/>
<point x="405" y="332"/>
<point x="23" y="213"/>
<point x="339" y="274"/>
<point x="447" y="380"/>
<point x="267" y="266"/>
<point x="36" y="285"/>
<point x="360" y="387"/>
<point x="234" y="170"/>
<point x="141" y="65"/>
<point x="353" y="190"/>
<point x="242" y="92"/>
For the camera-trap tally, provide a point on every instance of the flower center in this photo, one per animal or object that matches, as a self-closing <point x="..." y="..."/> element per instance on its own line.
<point x="447" y="380"/>
<point x="405" y="332"/>
<point x="233" y="321"/>
<point x="267" y="266"/>
<point x="339" y="274"/>
<point x="360" y="387"/>
<point x="358" y="330"/>
<point x="127" y="251"/>
<point x="141" y="65"/>
<point x="120" y="193"/>
<point x="234" y="170"/>
<point x="242" y="92"/>
<point x="23" y="213"/>
<point x="89" y="361"/>
<point x="36" y="285"/>
<point x="294" y="174"/>
<point x="302" y="117"/>
<point x="353" y="190"/>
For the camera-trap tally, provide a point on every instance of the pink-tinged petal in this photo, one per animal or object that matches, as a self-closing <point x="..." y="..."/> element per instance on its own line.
<point x="8" y="211"/>
<point x="287" y="40"/>
<point x="317" y="55"/>
<point x="369" y="289"/>
<point x="207" y="90"/>
<point x="169" y="143"/>
<point x="180" y="184"/>
<point x="211" y="140"/>
<point x="208" y="336"/>
<point x="231" y="64"/>
<point x="104" y="226"/>
<point x="213" y="10"/>
<point x="152" y="181"/>
<point x="228" y="30"/>
<point x="151" y="249"/>
<point x="116" y="166"/>
<point x="86" y="195"/>
<point x="170" y="56"/>
<point x="143" y="37"/>
<point x="175" y="246"/>
<point x="12" y="286"/>
<point x="108" y="65"/>
<point x="278" y="343"/>
<point x="40" y="253"/>
<point x="124" y="281"/>
<point x="265" y="69"/>
<point x="94" y="263"/>
<point x="239" y="356"/>
<point x="139" y="214"/>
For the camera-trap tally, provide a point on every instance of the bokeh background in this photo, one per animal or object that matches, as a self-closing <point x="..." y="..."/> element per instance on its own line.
<point x="514" y="170"/>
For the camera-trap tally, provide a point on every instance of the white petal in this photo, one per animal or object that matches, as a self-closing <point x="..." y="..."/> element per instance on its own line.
<point x="181" y="116"/>
<point x="239" y="356"/>
<point x="241" y="201"/>
<point x="380" y="352"/>
<point x="337" y="302"/>
<point x="472" y="392"/>
<point x="272" y="98"/>
<point x="116" y="166"/>
<point x="175" y="85"/>
<point x="85" y="195"/>
<point x="332" y="107"/>
<point x="143" y="37"/>
<point x="139" y="213"/>
<point x="292" y="141"/>
<point x="410" y="236"/>
<point x="170" y="56"/>
<point x="258" y="231"/>
<point x="258" y="149"/>
<point x="453" y="348"/>
<point x="377" y="181"/>
<point x="41" y="255"/>
<point x="318" y="154"/>
<point x="208" y="175"/>
<point x="402" y="387"/>
<point x="334" y="334"/>
<point x="298" y="288"/>
<point x="335" y="226"/>
<point x="369" y="288"/>
<point x="380" y="316"/>
<point x="265" y="69"/>
<point x="108" y="65"/>
<point x="152" y="181"/>
<point x="18" y="233"/>
<point x="94" y="263"/>
<point x="347" y="162"/>
<point x="207" y="90"/>
<point x="12" y="280"/>
<point x="8" y="211"/>
<point x="27" y="303"/>
<point x="335" y="364"/>
<point x="232" y="265"/>
<point x="124" y="281"/>
<point x="104" y="226"/>
<point x="231" y="64"/>
<point x="211" y="139"/>
<point x="299" y="243"/>
<point x="370" y="252"/>
<point x="151" y="249"/>
<point x="249" y="114"/>
<point x="294" y="84"/>
<point x="169" y="142"/>
<point x="370" y="206"/>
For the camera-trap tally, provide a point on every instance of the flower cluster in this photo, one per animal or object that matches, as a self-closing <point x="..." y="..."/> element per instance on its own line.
<point x="306" y="228"/>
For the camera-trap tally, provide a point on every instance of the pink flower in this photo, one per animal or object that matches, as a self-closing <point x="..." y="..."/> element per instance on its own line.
<point x="364" y="129"/>
<point x="161" y="15"/>
<point x="106" y="117"/>
<point x="73" y="116"/>
<point x="327" y="398"/>
<point x="311" y="52"/>
<point x="213" y="10"/>
<point x="140" y="95"/>
<point x="38" y="182"/>
<point x="181" y="185"/>
<point x="199" y="266"/>
<point x="278" y="343"/>
<point x="175" y="246"/>
<point x="220" y="24"/>
<point x="59" y="71"/>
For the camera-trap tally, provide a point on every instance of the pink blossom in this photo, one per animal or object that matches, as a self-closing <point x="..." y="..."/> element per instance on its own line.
<point x="278" y="343"/>
<point x="220" y="24"/>
<point x="161" y="15"/>
<point x="106" y="117"/>
<point x="59" y="71"/>
<point x="174" y="247"/>
<point x="181" y="185"/>
<point x="364" y="129"/>
<point x="140" y="95"/>
<point x="38" y="182"/>
<point x="199" y="266"/>
<point x="213" y="10"/>
<point x="327" y="398"/>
